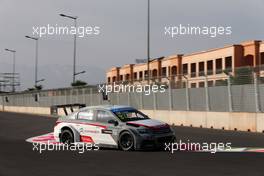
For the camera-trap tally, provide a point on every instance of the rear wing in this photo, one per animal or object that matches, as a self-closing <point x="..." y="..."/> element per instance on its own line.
<point x="66" y="109"/>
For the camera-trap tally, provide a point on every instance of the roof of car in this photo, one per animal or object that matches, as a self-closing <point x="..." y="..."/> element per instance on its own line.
<point x="109" y="107"/>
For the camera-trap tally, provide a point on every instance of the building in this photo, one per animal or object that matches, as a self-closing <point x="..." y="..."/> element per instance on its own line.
<point x="199" y="68"/>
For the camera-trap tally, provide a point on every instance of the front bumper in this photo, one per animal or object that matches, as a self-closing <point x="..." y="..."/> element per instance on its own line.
<point x="154" y="141"/>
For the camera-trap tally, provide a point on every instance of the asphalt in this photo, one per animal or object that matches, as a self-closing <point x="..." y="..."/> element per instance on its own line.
<point x="18" y="158"/>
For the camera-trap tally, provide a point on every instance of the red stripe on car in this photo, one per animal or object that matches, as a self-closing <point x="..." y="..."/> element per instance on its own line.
<point x="92" y="124"/>
<point x="152" y="127"/>
<point x="87" y="139"/>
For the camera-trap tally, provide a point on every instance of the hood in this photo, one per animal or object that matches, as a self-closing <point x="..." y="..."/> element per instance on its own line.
<point x="149" y="123"/>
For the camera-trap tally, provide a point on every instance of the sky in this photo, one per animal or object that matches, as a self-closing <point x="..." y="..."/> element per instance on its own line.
<point x="123" y="33"/>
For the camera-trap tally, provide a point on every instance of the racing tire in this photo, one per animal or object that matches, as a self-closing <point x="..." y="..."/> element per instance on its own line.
<point x="126" y="141"/>
<point x="67" y="137"/>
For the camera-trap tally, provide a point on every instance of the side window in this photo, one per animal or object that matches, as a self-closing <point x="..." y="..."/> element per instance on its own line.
<point x="86" y="115"/>
<point x="104" y="116"/>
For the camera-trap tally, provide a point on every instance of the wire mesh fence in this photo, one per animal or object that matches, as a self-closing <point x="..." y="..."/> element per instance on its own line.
<point x="241" y="90"/>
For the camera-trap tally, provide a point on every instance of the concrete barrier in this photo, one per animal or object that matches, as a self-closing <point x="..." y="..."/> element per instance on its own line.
<point x="260" y="122"/>
<point x="29" y="110"/>
<point x="242" y="121"/>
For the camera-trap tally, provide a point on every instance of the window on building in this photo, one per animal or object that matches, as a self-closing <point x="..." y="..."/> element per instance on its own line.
<point x="184" y="85"/>
<point x="228" y="63"/>
<point x="154" y="73"/>
<point x="185" y="69"/>
<point x="127" y="77"/>
<point x="218" y="66"/>
<point x="248" y="60"/>
<point x="140" y="75"/>
<point x="209" y="67"/>
<point x="114" y="79"/>
<point x="201" y="69"/>
<point x="135" y="76"/>
<point x="164" y="71"/>
<point x="146" y="74"/>
<point x="121" y="77"/>
<point x="221" y="82"/>
<point x="193" y="85"/>
<point x="210" y="83"/>
<point x="262" y="58"/>
<point x="193" y="69"/>
<point x="201" y="84"/>
<point x="174" y="70"/>
<point x="109" y="79"/>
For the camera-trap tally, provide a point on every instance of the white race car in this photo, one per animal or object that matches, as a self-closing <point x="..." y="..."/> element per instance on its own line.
<point x="121" y="127"/>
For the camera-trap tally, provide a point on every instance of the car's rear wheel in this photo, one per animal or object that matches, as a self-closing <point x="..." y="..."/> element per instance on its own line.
<point x="126" y="141"/>
<point x="66" y="137"/>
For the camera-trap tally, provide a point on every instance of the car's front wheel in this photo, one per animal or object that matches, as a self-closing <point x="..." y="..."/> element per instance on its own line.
<point x="66" y="137"/>
<point x="126" y="141"/>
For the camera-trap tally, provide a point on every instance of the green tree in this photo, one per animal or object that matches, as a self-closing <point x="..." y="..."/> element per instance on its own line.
<point x="78" y="83"/>
<point x="242" y="75"/>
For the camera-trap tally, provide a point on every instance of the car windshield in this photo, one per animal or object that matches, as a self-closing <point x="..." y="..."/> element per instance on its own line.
<point x="127" y="115"/>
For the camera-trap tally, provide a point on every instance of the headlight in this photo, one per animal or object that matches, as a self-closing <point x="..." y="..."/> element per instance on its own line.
<point x="144" y="131"/>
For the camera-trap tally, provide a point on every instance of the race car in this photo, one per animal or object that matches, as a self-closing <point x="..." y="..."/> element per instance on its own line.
<point x="122" y="127"/>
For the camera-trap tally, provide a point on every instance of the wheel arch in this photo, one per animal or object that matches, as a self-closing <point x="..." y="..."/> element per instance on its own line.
<point x="75" y="133"/>
<point x="131" y="132"/>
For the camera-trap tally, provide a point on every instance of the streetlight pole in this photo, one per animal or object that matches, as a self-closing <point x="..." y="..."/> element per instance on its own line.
<point x="36" y="60"/>
<point x="148" y="41"/>
<point x="74" y="47"/>
<point x="74" y="52"/>
<point x="14" y="68"/>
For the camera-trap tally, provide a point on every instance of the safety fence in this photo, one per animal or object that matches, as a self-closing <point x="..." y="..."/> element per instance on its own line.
<point x="223" y="98"/>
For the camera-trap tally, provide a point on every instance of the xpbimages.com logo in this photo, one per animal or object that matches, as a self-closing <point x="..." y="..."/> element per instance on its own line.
<point x="80" y="147"/>
<point x="210" y="31"/>
<point x="81" y="31"/>
<point x="212" y="147"/>
<point x="120" y="88"/>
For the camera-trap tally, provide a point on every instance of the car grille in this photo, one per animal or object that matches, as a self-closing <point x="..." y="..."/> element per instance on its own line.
<point x="161" y="130"/>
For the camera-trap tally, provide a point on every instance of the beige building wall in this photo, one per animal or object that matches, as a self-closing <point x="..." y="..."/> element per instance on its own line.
<point x="126" y="73"/>
<point x="113" y="75"/>
<point x="140" y="70"/>
<point x="248" y="53"/>
<point x="262" y="47"/>
<point x="205" y="57"/>
<point x="171" y="68"/>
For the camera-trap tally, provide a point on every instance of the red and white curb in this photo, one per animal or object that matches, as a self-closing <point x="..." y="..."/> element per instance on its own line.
<point x="43" y="139"/>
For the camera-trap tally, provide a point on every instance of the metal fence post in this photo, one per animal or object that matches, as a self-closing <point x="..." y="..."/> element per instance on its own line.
<point x="187" y="95"/>
<point x="91" y="96"/>
<point x="83" y="96"/>
<point x="71" y="100"/>
<point x="230" y="103"/>
<point x="3" y="103"/>
<point x="65" y="97"/>
<point x="256" y="92"/>
<point x="207" y="102"/>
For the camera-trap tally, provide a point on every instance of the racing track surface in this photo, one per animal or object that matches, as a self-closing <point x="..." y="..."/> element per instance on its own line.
<point x="17" y="157"/>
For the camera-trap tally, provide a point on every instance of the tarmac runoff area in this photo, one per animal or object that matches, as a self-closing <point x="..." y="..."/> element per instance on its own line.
<point x="18" y="158"/>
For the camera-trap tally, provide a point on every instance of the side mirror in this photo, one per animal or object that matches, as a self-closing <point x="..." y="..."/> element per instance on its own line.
<point x="114" y="122"/>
